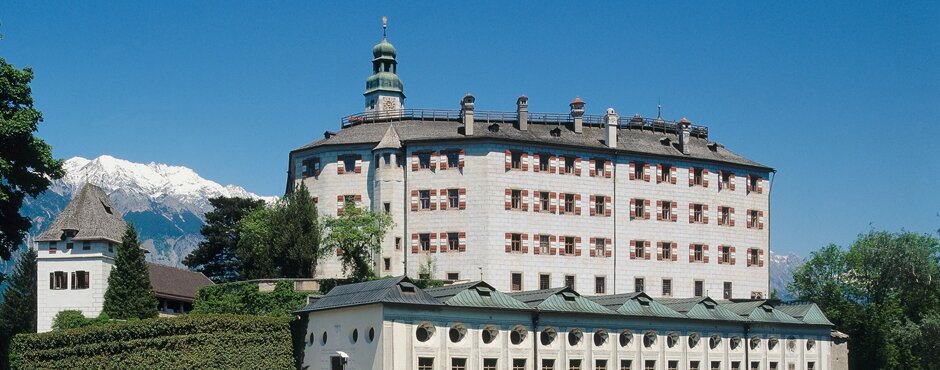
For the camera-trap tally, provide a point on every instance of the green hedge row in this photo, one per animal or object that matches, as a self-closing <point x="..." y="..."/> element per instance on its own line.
<point x="216" y="341"/>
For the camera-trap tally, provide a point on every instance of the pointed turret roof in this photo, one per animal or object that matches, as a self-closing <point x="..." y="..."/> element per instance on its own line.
<point x="90" y="215"/>
<point x="390" y="140"/>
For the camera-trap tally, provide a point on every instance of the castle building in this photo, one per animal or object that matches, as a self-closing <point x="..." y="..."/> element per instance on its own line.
<point x="606" y="204"/>
<point x="392" y="324"/>
<point x="76" y="254"/>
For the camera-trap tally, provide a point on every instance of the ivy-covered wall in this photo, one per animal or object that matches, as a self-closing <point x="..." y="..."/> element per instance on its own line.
<point x="200" y="341"/>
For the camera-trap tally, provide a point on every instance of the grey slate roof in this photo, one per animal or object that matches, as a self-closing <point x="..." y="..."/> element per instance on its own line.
<point x="475" y="294"/>
<point x="628" y="139"/>
<point x="176" y="283"/>
<point x="635" y="304"/>
<point x="392" y="290"/>
<point x="390" y="140"/>
<point x="91" y="214"/>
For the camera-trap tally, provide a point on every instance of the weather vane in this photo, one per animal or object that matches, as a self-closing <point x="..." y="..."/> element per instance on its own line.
<point x="384" y="25"/>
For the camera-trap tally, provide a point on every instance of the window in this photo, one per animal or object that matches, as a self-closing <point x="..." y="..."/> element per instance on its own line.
<point x="69" y="246"/>
<point x="424" y="240"/>
<point x="58" y="280"/>
<point x="544" y="162"/>
<point x="600" y="247"/>
<point x="674" y="365"/>
<point x="545" y="281"/>
<point x="699" y="289"/>
<point x="698" y="176"/>
<point x="736" y="365"/>
<point x="544" y="245"/>
<point x="725" y="217"/>
<point x="424" y="161"/>
<point x="544" y="202"/>
<point x="755" y="365"/>
<point x="349" y="163"/>
<point x="80" y="279"/>
<point x="548" y="364"/>
<point x="518" y="364"/>
<point x="516" y="199"/>
<point x="810" y="365"/>
<point x="698" y="213"/>
<point x="387" y="158"/>
<point x="666" y="174"/>
<point x="458" y="363"/>
<point x="574" y="364"/>
<point x="640" y="248"/>
<point x="569" y="245"/>
<point x="600" y="285"/>
<point x="424" y="197"/>
<point x="716" y="365"/>
<point x="667" y="251"/>
<point x="569" y="281"/>
<point x="86" y="246"/>
<point x="387" y="263"/>
<point x="638" y="168"/>
<point x="639" y="285"/>
<point x="569" y="165"/>
<point x="773" y="366"/>
<point x="650" y="365"/>
<point x="600" y="206"/>
<point x="516" y="242"/>
<point x="311" y="166"/>
<point x="599" y="167"/>
<point x="453" y="198"/>
<point x="667" y="287"/>
<point x="349" y="200"/>
<point x="666" y="210"/>
<point x="110" y="247"/>
<point x="453" y="242"/>
<point x="516" y="281"/>
<point x="425" y="363"/>
<point x="516" y="160"/>
<point x="569" y="203"/>
<point x="489" y="364"/>
<point x="641" y="210"/>
<point x="387" y="206"/>
<point x="694" y="365"/>
<point x="725" y="180"/>
<point x="753" y="256"/>
<point x="453" y="276"/>
<point x="600" y="364"/>
<point x="397" y="243"/>
<point x="752" y="182"/>
<point x="757" y="295"/>
<point x="626" y="365"/>
<point x="753" y="218"/>
<point x="453" y="159"/>
<point x="699" y="252"/>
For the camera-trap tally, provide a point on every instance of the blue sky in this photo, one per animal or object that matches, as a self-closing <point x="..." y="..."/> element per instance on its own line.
<point x="842" y="98"/>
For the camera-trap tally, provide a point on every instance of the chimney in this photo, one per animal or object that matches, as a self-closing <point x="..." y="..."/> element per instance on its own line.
<point x="684" y="126"/>
<point x="611" y="123"/>
<point x="522" y="112"/>
<point x="466" y="114"/>
<point x="577" y="110"/>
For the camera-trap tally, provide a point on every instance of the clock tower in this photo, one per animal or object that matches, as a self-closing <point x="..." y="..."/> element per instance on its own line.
<point x="384" y="90"/>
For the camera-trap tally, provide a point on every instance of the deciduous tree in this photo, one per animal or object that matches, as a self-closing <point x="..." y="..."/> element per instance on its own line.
<point x="357" y="235"/>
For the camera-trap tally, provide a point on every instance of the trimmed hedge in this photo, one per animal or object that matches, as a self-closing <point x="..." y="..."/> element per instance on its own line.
<point x="245" y="298"/>
<point x="206" y="341"/>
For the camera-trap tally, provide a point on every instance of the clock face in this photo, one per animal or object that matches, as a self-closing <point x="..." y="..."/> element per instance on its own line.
<point x="389" y="104"/>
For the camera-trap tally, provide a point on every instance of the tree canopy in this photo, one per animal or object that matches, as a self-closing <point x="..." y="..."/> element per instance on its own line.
<point x="883" y="291"/>
<point x="217" y="256"/>
<point x="26" y="163"/>
<point x="130" y="294"/>
<point x="357" y="235"/>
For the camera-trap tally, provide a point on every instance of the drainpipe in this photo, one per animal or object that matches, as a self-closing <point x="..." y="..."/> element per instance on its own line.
<point x="772" y="175"/>
<point x="405" y="207"/>
<point x="747" y="346"/>
<point x="535" y="338"/>
<point x="613" y="176"/>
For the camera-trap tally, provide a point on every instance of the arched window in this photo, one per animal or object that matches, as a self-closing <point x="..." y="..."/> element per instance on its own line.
<point x="575" y="336"/>
<point x="424" y="332"/>
<point x="548" y="336"/>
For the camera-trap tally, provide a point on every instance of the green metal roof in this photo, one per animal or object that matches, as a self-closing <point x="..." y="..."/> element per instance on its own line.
<point x="560" y="300"/>
<point x="759" y="311"/>
<point x="475" y="294"/>
<point x="636" y="304"/>
<point x="391" y="290"/>
<point x="701" y="308"/>
<point x="808" y="313"/>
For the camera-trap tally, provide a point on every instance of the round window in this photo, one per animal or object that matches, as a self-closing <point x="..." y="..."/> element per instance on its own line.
<point x="755" y="342"/>
<point x="574" y="337"/>
<point x="693" y="339"/>
<point x="456" y="333"/>
<point x="424" y="332"/>
<point x="313" y="338"/>
<point x="625" y="338"/>
<point x="600" y="337"/>
<point x="810" y="343"/>
<point x="548" y="336"/>
<point x="355" y="335"/>
<point x="488" y="334"/>
<point x="672" y="339"/>
<point x="323" y="338"/>
<point x="517" y="335"/>
<point x="649" y="339"/>
<point x="714" y="341"/>
<point x="371" y="334"/>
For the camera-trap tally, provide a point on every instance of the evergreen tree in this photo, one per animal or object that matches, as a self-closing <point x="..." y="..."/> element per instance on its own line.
<point x="216" y="257"/>
<point x="129" y="293"/>
<point x="18" y="311"/>
<point x="26" y="163"/>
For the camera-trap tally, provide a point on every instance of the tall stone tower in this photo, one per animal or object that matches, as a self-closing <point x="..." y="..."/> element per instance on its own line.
<point x="384" y="90"/>
<point x="76" y="255"/>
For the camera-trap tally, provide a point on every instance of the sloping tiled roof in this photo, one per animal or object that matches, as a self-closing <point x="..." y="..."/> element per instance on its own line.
<point x="390" y="140"/>
<point x="635" y="304"/>
<point x="701" y="308"/>
<point x="475" y="294"/>
<point x="628" y="139"/>
<point x="91" y="215"/>
<point x="175" y="283"/>
<point x="560" y="300"/>
<point x="808" y="313"/>
<point x="392" y="290"/>
<point x="759" y="311"/>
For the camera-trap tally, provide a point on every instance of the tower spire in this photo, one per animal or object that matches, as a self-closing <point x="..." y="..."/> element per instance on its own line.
<point x="659" y="106"/>
<point x="384" y="26"/>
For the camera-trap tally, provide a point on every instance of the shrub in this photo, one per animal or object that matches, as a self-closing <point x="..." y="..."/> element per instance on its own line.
<point x="244" y="298"/>
<point x="71" y="319"/>
<point x="189" y="342"/>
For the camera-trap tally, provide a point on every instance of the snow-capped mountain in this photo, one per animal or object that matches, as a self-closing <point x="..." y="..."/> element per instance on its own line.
<point x="167" y="204"/>
<point x="781" y="272"/>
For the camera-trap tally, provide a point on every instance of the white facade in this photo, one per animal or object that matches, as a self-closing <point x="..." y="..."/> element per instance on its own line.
<point x="59" y="285"/>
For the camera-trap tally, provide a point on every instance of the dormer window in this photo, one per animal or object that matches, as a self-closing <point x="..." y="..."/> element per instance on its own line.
<point x="406" y="287"/>
<point x="86" y="246"/>
<point x="556" y="132"/>
<point x="493" y="128"/>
